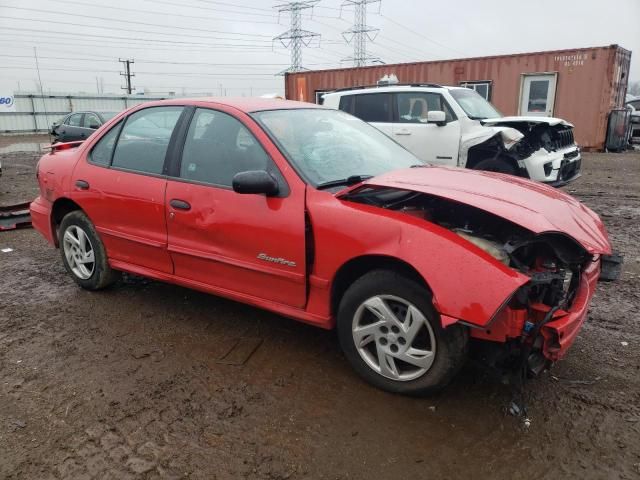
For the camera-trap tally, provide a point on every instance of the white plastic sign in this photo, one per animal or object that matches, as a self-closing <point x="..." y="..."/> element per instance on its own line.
<point x="7" y="103"/>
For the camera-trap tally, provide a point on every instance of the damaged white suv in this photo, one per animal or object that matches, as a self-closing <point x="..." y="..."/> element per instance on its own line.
<point x="456" y="126"/>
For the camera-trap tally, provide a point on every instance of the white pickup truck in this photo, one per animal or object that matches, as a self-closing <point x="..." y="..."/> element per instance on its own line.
<point x="456" y="126"/>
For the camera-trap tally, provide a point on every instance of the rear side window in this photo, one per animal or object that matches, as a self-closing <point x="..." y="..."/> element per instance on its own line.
<point x="217" y="147"/>
<point x="74" y="120"/>
<point x="144" y="140"/>
<point x="346" y="103"/>
<point x="374" y="107"/>
<point x="102" y="151"/>
<point x="414" y="106"/>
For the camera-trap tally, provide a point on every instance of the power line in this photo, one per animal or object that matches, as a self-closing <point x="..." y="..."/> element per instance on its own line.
<point x="130" y="39"/>
<point x="296" y="37"/>
<point x="404" y="27"/>
<point x="173" y="14"/>
<point x="132" y="22"/>
<point x="359" y="33"/>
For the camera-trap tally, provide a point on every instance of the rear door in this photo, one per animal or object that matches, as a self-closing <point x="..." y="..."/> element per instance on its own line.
<point x="431" y="143"/>
<point x="121" y="186"/>
<point x="240" y="244"/>
<point x="374" y="108"/>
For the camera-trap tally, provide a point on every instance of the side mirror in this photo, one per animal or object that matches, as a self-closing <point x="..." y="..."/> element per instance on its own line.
<point x="438" y="117"/>
<point x="255" y="181"/>
<point x="94" y="126"/>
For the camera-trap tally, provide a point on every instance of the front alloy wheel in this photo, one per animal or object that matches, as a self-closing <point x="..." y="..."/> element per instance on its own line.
<point x="392" y="335"/>
<point x="394" y="338"/>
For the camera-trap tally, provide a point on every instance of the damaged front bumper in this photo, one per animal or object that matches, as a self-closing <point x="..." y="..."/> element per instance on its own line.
<point x="540" y="334"/>
<point x="554" y="168"/>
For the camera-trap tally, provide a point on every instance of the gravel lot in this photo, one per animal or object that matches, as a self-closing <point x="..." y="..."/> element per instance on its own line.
<point x="129" y="383"/>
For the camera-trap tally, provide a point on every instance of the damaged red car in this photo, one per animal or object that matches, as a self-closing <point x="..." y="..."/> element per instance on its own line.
<point x="316" y="215"/>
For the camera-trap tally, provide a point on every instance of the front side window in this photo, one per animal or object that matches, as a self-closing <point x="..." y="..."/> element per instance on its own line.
<point x="144" y="140"/>
<point x="217" y="147"/>
<point x="330" y="145"/>
<point x="74" y="120"/>
<point x="476" y="107"/>
<point x="414" y="106"/>
<point x="102" y="151"/>
<point x="372" y="107"/>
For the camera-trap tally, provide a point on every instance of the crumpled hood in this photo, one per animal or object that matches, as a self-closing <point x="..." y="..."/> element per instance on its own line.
<point x="534" y="206"/>
<point x="551" y="121"/>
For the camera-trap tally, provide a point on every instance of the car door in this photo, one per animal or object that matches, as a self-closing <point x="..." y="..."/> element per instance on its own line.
<point x="90" y="123"/>
<point x="121" y="187"/>
<point x="374" y="108"/>
<point x="245" y="245"/>
<point x="71" y="128"/>
<point x="430" y="142"/>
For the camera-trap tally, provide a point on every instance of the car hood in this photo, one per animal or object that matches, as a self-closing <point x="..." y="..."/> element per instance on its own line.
<point x="534" y="206"/>
<point x="551" y="121"/>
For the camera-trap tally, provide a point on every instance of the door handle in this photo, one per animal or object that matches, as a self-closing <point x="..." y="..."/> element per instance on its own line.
<point x="180" y="204"/>
<point x="82" y="184"/>
<point x="403" y="132"/>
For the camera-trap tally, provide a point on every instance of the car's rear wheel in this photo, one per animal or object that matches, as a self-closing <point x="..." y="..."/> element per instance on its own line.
<point x="83" y="253"/>
<point x="392" y="336"/>
<point x="499" y="165"/>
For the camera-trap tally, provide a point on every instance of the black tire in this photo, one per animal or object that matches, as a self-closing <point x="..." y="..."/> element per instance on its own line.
<point x="102" y="275"/>
<point x="499" y="165"/>
<point x="451" y="343"/>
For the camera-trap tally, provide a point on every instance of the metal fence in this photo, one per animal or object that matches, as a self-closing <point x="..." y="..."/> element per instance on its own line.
<point x="36" y="113"/>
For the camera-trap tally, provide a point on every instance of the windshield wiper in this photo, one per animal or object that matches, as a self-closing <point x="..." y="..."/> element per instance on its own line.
<point x="353" y="179"/>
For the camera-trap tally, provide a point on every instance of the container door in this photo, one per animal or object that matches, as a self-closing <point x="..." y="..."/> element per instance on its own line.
<point x="538" y="94"/>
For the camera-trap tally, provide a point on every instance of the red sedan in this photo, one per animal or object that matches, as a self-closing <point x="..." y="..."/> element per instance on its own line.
<point x="316" y="215"/>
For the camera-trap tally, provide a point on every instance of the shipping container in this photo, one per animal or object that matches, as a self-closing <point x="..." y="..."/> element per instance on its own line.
<point x="580" y="85"/>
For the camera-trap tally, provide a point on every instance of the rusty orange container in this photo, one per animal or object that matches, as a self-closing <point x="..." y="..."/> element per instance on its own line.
<point x="588" y="83"/>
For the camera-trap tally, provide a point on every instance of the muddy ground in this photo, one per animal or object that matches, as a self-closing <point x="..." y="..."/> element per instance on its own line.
<point x="128" y="383"/>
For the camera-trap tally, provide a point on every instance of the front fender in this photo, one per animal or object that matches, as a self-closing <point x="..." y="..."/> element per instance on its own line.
<point x="467" y="283"/>
<point x="507" y="136"/>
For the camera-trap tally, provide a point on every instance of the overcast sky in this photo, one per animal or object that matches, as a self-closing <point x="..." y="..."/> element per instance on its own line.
<point x="206" y="46"/>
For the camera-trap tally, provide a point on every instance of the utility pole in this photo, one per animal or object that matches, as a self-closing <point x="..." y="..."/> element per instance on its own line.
<point x="359" y="33"/>
<point x="127" y="74"/>
<point x="296" y="37"/>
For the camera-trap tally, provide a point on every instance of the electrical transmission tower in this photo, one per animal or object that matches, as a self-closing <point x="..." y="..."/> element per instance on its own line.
<point x="296" y="37"/>
<point x="127" y="74"/>
<point x="360" y="33"/>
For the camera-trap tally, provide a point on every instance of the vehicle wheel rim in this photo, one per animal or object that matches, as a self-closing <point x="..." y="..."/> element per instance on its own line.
<point x="79" y="252"/>
<point x="394" y="338"/>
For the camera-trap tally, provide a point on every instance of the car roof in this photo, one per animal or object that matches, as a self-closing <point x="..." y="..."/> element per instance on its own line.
<point x="392" y="88"/>
<point x="244" y="104"/>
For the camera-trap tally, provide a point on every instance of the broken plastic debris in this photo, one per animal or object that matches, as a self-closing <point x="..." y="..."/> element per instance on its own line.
<point x="624" y="344"/>
<point x="526" y="422"/>
<point x="6" y="250"/>
<point x="514" y="409"/>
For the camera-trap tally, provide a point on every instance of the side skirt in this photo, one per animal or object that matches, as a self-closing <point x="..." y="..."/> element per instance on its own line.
<point x="284" y="310"/>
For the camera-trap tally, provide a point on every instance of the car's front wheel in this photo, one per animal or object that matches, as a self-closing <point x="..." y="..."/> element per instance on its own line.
<point x="83" y="253"/>
<point x="392" y="336"/>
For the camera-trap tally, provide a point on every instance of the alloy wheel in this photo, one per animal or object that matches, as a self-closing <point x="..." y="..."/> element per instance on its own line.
<point x="79" y="252"/>
<point x="393" y="337"/>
